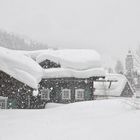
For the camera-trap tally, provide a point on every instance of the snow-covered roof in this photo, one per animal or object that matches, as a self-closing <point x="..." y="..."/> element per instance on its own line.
<point x="24" y="65"/>
<point x="64" y="72"/>
<point x="20" y="67"/>
<point x="78" y="63"/>
<point x="78" y="59"/>
<point x="116" y="87"/>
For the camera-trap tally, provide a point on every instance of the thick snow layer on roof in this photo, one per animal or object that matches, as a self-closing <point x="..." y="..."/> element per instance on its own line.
<point x="116" y="87"/>
<point x="20" y="67"/>
<point x="79" y="59"/>
<point x="78" y="63"/>
<point x="63" y="72"/>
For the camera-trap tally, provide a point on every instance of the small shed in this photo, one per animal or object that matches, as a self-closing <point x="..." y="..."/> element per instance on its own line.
<point x="114" y="85"/>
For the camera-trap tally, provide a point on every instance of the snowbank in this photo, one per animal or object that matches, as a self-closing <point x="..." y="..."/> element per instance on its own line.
<point x="20" y="67"/>
<point x="53" y="105"/>
<point x="91" y="120"/>
<point x="116" y="87"/>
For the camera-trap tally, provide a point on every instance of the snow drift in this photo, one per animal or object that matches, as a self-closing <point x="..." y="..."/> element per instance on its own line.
<point x="92" y="120"/>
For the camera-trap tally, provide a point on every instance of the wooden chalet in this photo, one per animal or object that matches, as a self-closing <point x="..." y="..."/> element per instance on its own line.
<point x="60" y="76"/>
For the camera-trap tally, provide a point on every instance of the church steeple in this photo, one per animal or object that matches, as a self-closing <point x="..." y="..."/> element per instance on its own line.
<point x="129" y="63"/>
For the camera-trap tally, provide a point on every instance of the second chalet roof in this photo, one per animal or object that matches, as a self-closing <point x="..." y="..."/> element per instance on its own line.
<point x="78" y="59"/>
<point x="67" y="73"/>
<point x="78" y="63"/>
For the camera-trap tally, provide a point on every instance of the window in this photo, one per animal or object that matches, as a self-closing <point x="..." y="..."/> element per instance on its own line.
<point x="79" y="94"/>
<point x="2" y="104"/>
<point x="45" y="94"/>
<point x="66" y="94"/>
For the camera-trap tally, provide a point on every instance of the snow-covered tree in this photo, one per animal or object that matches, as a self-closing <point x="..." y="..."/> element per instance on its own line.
<point x="14" y="41"/>
<point x="119" y="67"/>
<point x="110" y="70"/>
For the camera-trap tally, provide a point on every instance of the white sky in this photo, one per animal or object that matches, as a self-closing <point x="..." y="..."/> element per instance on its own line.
<point x="108" y="26"/>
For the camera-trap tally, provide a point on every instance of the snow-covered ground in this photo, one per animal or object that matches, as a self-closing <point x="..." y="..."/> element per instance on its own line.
<point x="53" y="105"/>
<point x="111" y="119"/>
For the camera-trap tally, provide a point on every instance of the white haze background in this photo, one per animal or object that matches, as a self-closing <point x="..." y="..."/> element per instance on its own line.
<point x="108" y="26"/>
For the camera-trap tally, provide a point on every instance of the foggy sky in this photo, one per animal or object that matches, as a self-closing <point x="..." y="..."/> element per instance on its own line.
<point x="109" y="26"/>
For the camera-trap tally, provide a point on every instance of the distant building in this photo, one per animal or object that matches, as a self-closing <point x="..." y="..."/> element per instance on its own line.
<point x="129" y="62"/>
<point x="114" y="85"/>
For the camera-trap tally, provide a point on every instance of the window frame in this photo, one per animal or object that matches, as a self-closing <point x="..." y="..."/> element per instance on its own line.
<point x="69" y="94"/>
<point x="3" y="102"/>
<point x="45" y="94"/>
<point x="76" y="94"/>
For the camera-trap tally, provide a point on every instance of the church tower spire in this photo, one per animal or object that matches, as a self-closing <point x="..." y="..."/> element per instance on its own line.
<point x="129" y="62"/>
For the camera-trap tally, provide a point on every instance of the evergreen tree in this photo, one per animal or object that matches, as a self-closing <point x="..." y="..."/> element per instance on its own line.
<point x="16" y="42"/>
<point x="119" y="67"/>
<point x="110" y="70"/>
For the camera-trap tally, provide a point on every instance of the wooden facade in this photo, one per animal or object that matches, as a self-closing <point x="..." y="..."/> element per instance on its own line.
<point x="56" y="87"/>
<point x="65" y="90"/>
<point x="20" y="95"/>
<point x="49" y="64"/>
